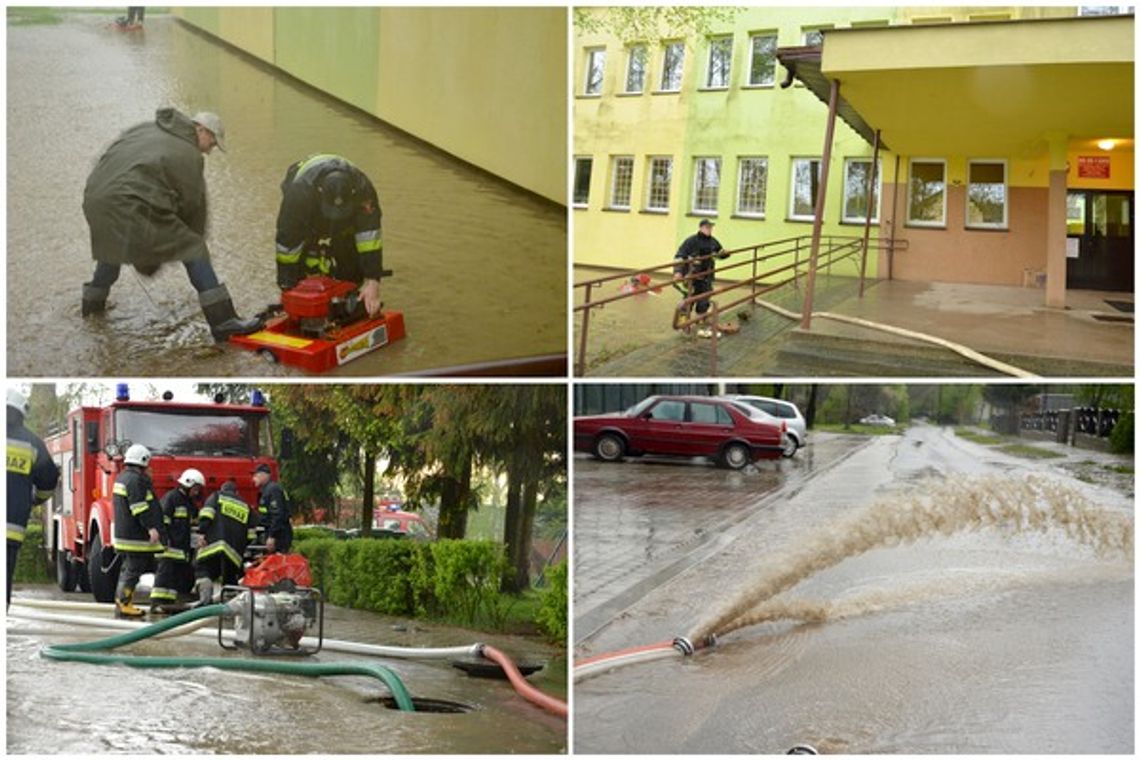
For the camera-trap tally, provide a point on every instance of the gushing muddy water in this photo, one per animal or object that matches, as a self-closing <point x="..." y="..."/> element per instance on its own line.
<point x="480" y="265"/>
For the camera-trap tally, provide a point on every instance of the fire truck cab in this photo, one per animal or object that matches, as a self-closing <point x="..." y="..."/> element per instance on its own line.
<point x="224" y="441"/>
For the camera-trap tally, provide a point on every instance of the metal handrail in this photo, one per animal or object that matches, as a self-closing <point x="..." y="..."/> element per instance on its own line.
<point x="833" y="249"/>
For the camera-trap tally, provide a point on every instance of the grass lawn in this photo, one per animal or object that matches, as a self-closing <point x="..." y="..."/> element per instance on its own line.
<point x="985" y="439"/>
<point x="1122" y="469"/>
<point x="857" y="429"/>
<point x="1030" y="452"/>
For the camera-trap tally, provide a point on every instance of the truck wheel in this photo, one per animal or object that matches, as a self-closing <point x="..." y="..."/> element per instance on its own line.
<point x="609" y="447"/>
<point x="64" y="572"/>
<point x="735" y="456"/>
<point x="103" y="581"/>
<point x="82" y="579"/>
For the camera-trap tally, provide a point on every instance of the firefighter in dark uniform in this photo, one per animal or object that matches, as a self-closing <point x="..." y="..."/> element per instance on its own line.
<point x="139" y="532"/>
<point x="226" y="525"/>
<point x="695" y="257"/>
<point x="329" y="223"/>
<point x="32" y="477"/>
<point x="273" y="506"/>
<point x="175" y="574"/>
<point x="145" y="202"/>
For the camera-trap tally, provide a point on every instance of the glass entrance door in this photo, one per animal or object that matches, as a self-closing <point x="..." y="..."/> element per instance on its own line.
<point x="1100" y="242"/>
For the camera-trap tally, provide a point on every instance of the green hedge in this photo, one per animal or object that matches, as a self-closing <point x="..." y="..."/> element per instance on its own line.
<point x="30" y="565"/>
<point x="1122" y="438"/>
<point x="553" y="608"/>
<point x="457" y="580"/>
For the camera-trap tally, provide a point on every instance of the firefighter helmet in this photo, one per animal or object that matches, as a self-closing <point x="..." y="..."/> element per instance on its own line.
<point x="137" y="454"/>
<point x="17" y="401"/>
<point x="191" y="478"/>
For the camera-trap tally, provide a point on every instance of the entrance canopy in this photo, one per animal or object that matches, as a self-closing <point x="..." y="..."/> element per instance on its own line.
<point x="980" y="89"/>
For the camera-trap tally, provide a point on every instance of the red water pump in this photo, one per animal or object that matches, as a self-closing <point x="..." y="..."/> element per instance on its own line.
<point x="320" y="324"/>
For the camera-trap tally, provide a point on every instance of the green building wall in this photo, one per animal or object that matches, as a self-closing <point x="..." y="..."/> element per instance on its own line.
<point x="484" y="84"/>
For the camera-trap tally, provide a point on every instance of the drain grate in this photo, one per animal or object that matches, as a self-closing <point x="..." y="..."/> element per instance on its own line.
<point x="1112" y="318"/>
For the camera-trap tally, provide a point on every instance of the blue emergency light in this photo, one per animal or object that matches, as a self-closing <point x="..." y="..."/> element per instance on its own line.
<point x="257" y="398"/>
<point x="122" y="392"/>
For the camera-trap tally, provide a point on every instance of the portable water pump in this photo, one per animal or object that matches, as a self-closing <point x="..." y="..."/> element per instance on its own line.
<point x="274" y="608"/>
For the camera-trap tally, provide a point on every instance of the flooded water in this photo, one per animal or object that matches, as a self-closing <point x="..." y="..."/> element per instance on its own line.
<point x="480" y="266"/>
<point x="952" y="638"/>
<point x="64" y="707"/>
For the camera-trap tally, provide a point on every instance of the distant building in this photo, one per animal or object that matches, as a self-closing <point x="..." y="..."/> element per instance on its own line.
<point x="1007" y="136"/>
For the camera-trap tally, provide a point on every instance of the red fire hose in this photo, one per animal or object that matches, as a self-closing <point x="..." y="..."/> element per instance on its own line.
<point x="522" y="686"/>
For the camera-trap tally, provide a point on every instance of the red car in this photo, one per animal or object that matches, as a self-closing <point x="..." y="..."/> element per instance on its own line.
<point x="680" y="426"/>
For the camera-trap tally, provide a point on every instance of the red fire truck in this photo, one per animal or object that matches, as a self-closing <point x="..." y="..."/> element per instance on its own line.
<point x="224" y="441"/>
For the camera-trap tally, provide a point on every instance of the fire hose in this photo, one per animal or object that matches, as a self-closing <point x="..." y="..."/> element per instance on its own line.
<point x="524" y="689"/>
<point x="88" y="652"/>
<point x="598" y="664"/>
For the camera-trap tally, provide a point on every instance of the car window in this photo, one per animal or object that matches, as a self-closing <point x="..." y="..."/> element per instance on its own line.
<point x="709" y="414"/>
<point x="669" y="411"/>
<point x="392" y="525"/>
<point x="767" y="406"/>
<point x="787" y="411"/>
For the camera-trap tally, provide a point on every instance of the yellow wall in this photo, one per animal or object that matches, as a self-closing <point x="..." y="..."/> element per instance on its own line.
<point x="485" y="84"/>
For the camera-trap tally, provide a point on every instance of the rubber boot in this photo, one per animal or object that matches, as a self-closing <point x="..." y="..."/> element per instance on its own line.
<point x="124" y="608"/>
<point x="94" y="299"/>
<point x="205" y="591"/>
<point x="224" y="321"/>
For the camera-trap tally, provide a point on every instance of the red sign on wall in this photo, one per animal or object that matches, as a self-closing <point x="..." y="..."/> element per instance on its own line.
<point x="1093" y="167"/>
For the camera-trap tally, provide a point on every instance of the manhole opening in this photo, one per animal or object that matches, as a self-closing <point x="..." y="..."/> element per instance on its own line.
<point x="1112" y="318"/>
<point x="430" y="705"/>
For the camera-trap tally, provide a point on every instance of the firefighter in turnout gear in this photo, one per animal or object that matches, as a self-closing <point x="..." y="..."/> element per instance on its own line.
<point x="329" y="223"/>
<point x="138" y="534"/>
<point x="32" y="477"/>
<point x="227" y="525"/>
<point x="175" y="574"/>
<point x="273" y="504"/>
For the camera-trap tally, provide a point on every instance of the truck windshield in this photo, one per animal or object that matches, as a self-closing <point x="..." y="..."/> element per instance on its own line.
<point x="188" y="432"/>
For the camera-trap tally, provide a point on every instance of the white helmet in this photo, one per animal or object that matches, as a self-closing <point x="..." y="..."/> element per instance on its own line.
<point x="17" y="401"/>
<point x="137" y="454"/>
<point x="191" y="478"/>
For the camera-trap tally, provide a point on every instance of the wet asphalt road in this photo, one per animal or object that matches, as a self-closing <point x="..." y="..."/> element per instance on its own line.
<point x="975" y="642"/>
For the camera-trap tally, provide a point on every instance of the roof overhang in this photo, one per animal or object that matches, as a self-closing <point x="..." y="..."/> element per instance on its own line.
<point x="980" y="89"/>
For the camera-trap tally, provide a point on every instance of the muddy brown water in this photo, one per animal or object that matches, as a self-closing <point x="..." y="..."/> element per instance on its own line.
<point x="480" y="264"/>
<point x="981" y="641"/>
<point x="63" y="707"/>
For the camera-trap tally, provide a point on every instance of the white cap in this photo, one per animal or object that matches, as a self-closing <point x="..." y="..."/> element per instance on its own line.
<point x="212" y="122"/>
<point x="190" y="478"/>
<point x="17" y="401"/>
<point x="137" y="454"/>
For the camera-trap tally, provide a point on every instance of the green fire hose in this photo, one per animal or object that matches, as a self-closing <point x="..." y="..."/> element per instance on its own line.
<point x="85" y="652"/>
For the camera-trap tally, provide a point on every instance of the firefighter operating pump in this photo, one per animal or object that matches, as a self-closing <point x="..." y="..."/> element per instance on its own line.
<point x="224" y="441"/>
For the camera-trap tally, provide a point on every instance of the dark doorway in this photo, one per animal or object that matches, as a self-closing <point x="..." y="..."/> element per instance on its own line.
<point x="1100" y="240"/>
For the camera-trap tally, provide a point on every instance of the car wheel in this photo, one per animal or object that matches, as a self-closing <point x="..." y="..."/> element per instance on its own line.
<point x="736" y="456"/>
<point x="609" y="447"/>
<point x="791" y="446"/>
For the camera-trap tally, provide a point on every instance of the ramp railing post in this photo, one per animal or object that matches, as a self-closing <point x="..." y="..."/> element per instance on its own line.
<point x="580" y="371"/>
<point x="821" y="195"/>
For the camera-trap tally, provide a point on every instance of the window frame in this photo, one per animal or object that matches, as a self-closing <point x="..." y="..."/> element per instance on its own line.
<point x="630" y="57"/>
<point x="876" y="191"/>
<point x="615" y="161"/>
<point x="665" y="47"/>
<point x="693" y="208"/>
<point x="574" y="190"/>
<point x="590" y="53"/>
<point x="1004" y="224"/>
<point x="649" y="178"/>
<point x="910" y="189"/>
<point x="752" y="39"/>
<point x="809" y="29"/>
<point x="792" y="216"/>
<point x="763" y="213"/>
<point x="712" y="43"/>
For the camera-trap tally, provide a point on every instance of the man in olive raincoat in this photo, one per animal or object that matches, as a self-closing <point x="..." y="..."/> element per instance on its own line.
<point x="145" y="203"/>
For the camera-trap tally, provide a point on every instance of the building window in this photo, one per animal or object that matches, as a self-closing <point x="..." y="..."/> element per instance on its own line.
<point x="813" y="36"/>
<point x="753" y="187"/>
<point x="706" y="185"/>
<point x="673" y="65"/>
<point x="805" y="185"/>
<point x="583" y="168"/>
<point x="595" y="69"/>
<point x="986" y="195"/>
<point x="635" y="71"/>
<point x="720" y="62"/>
<point x="1105" y="10"/>
<point x="926" y="191"/>
<point x="621" y="182"/>
<point x="660" y="176"/>
<point x="763" y="71"/>
<point x="856" y="172"/>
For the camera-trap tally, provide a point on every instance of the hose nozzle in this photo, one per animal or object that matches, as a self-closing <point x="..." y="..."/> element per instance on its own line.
<point x="684" y="646"/>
